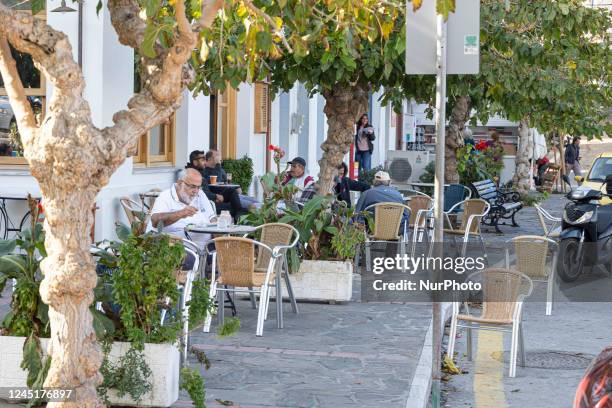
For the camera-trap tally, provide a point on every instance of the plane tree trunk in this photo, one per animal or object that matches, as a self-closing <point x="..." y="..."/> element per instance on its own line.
<point x="343" y="107"/>
<point x="454" y="138"/>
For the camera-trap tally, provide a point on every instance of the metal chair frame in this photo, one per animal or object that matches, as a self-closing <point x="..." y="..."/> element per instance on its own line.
<point x="263" y="291"/>
<point x="468" y="227"/>
<point x="283" y="264"/>
<point x="543" y="216"/>
<point x="515" y="329"/>
<point x="550" y="276"/>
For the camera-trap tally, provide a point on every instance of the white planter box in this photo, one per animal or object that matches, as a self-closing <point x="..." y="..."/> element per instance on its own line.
<point x="163" y="360"/>
<point x="322" y="280"/>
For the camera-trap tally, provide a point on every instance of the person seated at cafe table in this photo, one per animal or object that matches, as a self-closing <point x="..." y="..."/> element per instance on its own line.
<point x="229" y="200"/>
<point x="182" y="204"/>
<point x="213" y="167"/>
<point x="344" y="185"/>
<point x="381" y="192"/>
<point x="298" y="177"/>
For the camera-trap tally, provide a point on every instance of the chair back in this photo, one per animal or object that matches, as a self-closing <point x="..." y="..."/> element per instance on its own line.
<point x="455" y="193"/>
<point x="133" y="210"/>
<point x="387" y="220"/>
<point x="236" y="260"/>
<point x="531" y="253"/>
<point x="544" y="216"/>
<point x="416" y="203"/>
<point x="471" y="207"/>
<point x="502" y="289"/>
<point x="272" y="235"/>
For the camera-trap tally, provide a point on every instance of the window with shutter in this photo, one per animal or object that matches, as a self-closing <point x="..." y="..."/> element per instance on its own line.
<point x="261" y="107"/>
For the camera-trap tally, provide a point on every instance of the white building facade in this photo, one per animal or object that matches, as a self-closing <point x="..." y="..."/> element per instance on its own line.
<point x="230" y="122"/>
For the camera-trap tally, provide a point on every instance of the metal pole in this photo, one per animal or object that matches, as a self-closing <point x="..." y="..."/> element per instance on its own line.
<point x="439" y="197"/>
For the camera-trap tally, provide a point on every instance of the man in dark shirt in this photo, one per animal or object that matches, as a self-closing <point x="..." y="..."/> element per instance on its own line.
<point x="229" y="200"/>
<point x="213" y="167"/>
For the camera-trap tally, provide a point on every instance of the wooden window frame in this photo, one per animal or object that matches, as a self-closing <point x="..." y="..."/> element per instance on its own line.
<point x="144" y="159"/>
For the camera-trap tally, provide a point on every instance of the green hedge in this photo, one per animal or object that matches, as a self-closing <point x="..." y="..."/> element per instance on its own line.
<point x="242" y="171"/>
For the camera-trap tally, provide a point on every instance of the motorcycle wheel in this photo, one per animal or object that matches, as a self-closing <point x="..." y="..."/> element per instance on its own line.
<point x="569" y="266"/>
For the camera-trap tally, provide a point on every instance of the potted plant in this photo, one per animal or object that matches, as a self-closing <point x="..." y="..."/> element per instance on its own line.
<point x="329" y="239"/>
<point x="137" y="279"/>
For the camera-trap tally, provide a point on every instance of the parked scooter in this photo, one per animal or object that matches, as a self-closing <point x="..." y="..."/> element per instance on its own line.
<point x="586" y="236"/>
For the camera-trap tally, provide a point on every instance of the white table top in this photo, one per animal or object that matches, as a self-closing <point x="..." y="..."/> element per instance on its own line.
<point x="224" y="185"/>
<point x="214" y="229"/>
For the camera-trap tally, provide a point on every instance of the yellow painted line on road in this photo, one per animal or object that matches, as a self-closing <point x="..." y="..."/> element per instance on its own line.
<point x="489" y="371"/>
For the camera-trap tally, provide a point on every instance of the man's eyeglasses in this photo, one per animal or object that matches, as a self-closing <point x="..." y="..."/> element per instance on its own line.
<point x="190" y="186"/>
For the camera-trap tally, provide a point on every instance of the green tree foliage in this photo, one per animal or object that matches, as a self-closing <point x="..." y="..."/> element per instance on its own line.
<point x="545" y="61"/>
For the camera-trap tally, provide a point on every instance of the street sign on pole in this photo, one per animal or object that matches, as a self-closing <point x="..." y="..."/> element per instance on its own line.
<point x="463" y="40"/>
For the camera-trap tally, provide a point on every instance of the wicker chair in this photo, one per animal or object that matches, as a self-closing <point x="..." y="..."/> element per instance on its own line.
<point x="504" y="291"/>
<point x="134" y="211"/>
<point x="387" y="221"/>
<point x="235" y="257"/>
<point x="280" y="237"/>
<point x="531" y="255"/>
<point x="473" y="212"/>
<point x="545" y="217"/>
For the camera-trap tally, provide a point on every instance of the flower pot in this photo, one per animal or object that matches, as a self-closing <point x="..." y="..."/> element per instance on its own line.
<point x="162" y="359"/>
<point x="323" y="281"/>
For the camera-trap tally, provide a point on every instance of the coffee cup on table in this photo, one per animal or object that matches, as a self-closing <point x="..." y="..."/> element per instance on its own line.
<point x="213" y="179"/>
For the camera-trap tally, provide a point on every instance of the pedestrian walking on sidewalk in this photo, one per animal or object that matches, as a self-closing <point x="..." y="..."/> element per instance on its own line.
<point x="363" y="143"/>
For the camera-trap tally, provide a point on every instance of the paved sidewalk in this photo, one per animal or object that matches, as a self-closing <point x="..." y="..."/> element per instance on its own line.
<point x="343" y="355"/>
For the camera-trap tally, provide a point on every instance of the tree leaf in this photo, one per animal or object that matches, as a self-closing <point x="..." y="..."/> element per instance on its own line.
<point x="37" y="6"/>
<point x="122" y="231"/>
<point x="416" y="4"/>
<point x="13" y="265"/>
<point x="148" y="44"/>
<point x="444" y="7"/>
<point x="263" y="40"/>
<point x="32" y="358"/>
<point x="102" y="325"/>
<point x="151" y="7"/>
<point x="7" y="246"/>
<point x="98" y="7"/>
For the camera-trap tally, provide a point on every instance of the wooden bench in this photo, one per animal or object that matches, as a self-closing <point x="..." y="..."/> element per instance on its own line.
<point x="504" y="204"/>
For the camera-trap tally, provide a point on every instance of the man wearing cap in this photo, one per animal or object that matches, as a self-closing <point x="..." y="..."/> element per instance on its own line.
<point x="381" y="192"/>
<point x="297" y="176"/>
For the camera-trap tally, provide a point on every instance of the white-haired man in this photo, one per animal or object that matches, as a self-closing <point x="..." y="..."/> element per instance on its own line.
<point x="182" y="204"/>
<point x="381" y="192"/>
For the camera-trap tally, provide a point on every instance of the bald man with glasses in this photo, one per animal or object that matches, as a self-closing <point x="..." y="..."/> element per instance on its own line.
<point x="182" y="204"/>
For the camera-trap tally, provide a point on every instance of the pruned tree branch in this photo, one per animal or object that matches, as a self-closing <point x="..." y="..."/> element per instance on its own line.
<point x="14" y="88"/>
<point x="125" y="18"/>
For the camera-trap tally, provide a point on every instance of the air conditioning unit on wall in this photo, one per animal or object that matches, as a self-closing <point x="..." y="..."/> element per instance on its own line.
<point x="406" y="166"/>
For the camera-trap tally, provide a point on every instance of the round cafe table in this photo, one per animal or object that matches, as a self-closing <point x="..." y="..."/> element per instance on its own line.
<point x="220" y="187"/>
<point x="215" y="229"/>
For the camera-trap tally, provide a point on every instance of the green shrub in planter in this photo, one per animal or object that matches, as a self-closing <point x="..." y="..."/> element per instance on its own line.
<point x="242" y="171"/>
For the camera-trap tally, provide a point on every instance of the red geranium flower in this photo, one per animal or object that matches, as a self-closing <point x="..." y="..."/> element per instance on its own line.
<point x="271" y="148"/>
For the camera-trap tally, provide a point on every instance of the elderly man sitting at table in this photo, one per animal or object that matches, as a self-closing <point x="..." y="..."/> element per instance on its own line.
<point x="381" y="192"/>
<point x="182" y="204"/>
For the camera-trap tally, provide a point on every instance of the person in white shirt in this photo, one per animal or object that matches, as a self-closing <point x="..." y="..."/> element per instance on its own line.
<point x="183" y="204"/>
